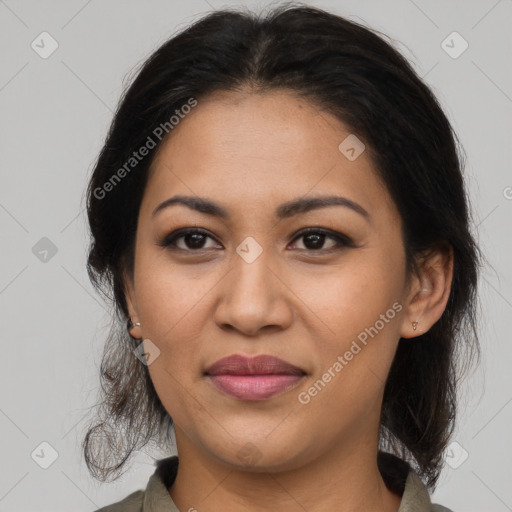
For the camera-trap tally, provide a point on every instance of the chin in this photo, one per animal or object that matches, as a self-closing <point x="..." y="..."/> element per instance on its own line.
<point x="260" y="454"/>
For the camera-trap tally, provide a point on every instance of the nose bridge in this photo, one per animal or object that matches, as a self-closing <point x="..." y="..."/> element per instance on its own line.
<point x="251" y="276"/>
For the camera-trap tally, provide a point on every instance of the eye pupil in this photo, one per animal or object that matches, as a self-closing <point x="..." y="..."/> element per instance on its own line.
<point x="316" y="239"/>
<point x="197" y="240"/>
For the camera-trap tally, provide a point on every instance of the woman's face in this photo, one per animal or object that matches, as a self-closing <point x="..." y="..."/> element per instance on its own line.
<point x="253" y="284"/>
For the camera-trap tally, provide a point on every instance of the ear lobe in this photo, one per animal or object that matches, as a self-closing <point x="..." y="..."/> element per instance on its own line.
<point x="429" y="293"/>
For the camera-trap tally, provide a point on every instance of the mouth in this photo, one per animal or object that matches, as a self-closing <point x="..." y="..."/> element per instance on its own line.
<point x="256" y="378"/>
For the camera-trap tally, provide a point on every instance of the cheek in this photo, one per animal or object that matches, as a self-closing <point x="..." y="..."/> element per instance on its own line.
<point x="350" y="297"/>
<point x="354" y="356"/>
<point x="172" y="298"/>
<point x="360" y="302"/>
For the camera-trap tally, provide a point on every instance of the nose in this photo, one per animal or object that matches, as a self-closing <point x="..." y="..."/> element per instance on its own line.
<point x="253" y="297"/>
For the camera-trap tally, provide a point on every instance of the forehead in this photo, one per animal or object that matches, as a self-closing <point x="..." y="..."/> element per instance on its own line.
<point x="249" y="149"/>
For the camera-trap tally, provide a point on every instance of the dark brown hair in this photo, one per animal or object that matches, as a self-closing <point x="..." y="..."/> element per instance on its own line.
<point x="353" y="73"/>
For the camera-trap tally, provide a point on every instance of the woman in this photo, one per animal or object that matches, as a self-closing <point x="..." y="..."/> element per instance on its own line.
<point x="279" y="216"/>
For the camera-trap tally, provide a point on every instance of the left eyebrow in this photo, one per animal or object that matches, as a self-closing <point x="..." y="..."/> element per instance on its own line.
<point x="285" y="210"/>
<point x="304" y="205"/>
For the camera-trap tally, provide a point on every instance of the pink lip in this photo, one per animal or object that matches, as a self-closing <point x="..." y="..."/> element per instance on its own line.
<point x="255" y="378"/>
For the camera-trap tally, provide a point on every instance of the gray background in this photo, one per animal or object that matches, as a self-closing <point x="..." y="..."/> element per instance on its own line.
<point x="54" y="116"/>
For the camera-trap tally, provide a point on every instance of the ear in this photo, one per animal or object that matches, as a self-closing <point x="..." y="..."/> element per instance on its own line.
<point x="429" y="291"/>
<point x="131" y="302"/>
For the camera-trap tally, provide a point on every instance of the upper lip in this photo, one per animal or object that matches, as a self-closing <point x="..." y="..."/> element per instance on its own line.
<point x="258" y="365"/>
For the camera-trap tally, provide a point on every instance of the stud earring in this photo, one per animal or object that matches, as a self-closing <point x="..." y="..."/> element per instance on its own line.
<point x="414" y="325"/>
<point x="131" y="324"/>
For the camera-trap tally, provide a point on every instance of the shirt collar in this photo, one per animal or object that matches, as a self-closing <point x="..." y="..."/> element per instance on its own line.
<point x="156" y="496"/>
<point x="415" y="497"/>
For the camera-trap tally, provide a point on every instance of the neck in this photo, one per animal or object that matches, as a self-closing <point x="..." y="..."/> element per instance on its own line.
<point x="207" y="484"/>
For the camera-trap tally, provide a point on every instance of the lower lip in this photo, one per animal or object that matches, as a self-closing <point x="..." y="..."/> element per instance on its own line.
<point x="254" y="387"/>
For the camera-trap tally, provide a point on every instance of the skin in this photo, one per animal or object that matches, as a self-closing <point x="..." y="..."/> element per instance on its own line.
<point x="250" y="153"/>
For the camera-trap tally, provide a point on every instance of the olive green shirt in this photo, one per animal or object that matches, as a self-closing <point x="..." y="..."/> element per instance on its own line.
<point x="156" y="497"/>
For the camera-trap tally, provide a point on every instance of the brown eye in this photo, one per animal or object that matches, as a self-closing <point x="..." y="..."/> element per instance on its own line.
<point x="193" y="240"/>
<point x="314" y="240"/>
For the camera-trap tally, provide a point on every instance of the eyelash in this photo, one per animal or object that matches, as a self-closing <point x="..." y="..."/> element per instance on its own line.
<point x="342" y="240"/>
